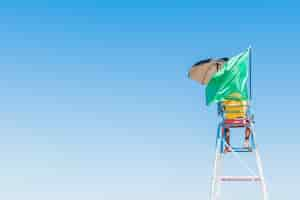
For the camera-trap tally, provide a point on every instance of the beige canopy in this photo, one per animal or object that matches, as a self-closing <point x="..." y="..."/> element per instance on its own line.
<point x="203" y="70"/>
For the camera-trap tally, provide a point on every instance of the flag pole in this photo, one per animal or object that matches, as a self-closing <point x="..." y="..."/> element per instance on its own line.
<point x="250" y="72"/>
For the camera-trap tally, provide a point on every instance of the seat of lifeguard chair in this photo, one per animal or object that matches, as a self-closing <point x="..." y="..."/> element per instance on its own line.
<point x="235" y="123"/>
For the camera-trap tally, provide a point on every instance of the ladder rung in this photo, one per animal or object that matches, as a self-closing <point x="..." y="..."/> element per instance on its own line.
<point x="241" y="149"/>
<point x="239" y="178"/>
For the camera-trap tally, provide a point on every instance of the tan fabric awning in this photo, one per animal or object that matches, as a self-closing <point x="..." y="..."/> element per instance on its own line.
<point x="203" y="71"/>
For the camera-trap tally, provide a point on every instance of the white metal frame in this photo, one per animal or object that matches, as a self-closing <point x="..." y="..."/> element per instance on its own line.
<point x="217" y="177"/>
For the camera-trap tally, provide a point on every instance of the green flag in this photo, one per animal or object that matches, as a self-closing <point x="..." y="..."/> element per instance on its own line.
<point x="230" y="83"/>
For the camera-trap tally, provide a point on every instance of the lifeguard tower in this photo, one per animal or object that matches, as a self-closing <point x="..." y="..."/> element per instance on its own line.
<point x="232" y="116"/>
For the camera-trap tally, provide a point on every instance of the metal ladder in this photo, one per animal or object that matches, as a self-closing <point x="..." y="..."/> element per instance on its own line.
<point x="218" y="178"/>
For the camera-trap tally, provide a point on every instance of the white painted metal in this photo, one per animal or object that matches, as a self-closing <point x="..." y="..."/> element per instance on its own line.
<point x="217" y="178"/>
<point x="215" y="185"/>
<point x="260" y="168"/>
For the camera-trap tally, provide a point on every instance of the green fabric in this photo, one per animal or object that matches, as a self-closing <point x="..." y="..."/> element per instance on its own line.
<point x="230" y="83"/>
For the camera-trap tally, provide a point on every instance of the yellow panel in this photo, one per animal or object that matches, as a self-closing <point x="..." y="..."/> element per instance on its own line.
<point x="234" y="103"/>
<point x="235" y="115"/>
<point x="235" y="109"/>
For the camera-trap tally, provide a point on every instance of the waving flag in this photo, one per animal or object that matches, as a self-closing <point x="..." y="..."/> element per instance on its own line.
<point x="230" y="83"/>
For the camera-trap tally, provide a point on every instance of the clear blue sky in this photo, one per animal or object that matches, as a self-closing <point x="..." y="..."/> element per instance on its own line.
<point x="95" y="102"/>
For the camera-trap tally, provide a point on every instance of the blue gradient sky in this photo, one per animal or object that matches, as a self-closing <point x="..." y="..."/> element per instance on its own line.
<point x="95" y="102"/>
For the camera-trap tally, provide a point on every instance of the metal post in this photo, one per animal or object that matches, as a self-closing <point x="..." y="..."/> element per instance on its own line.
<point x="215" y="184"/>
<point x="261" y="174"/>
<point x="250" y="72"/>
<point x="260" y="169"/>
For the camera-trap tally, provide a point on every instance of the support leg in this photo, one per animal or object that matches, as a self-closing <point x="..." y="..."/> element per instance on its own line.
<point x="215" y="185"/>
<point x="261" y="174"/>
<point x="260" y="168"/>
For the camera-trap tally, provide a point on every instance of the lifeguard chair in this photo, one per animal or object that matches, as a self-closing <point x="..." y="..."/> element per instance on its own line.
<point x="236" y="115"/>
<point x="233" y="114"/>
